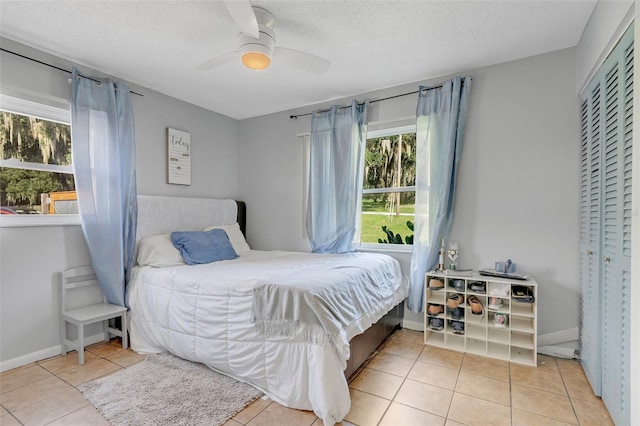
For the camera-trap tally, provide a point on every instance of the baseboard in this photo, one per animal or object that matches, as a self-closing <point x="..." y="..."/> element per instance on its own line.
<point x="413" y="325"/>
<point x="558" y="343"/>
<point x="43" y="354"/>
<point x="557" y="337"/>
<point x="558" y="351"/>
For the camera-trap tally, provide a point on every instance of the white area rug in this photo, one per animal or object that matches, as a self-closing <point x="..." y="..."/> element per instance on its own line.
<point x="166" y="390"/>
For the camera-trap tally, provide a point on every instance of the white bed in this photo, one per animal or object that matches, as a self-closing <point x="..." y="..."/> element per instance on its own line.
<point x="270" y="319"/>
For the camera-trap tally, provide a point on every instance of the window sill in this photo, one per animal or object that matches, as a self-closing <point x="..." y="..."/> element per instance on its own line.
<point x="386" y="248"/>
<point x="30" y="220"/>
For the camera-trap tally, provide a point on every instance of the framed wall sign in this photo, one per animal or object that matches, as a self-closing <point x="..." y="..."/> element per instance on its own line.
<point x="178" y="157"/>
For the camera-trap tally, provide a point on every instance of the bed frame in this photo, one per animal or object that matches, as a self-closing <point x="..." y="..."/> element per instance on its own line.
<point x="200" y="213"/>
<point x="364" y="345"/>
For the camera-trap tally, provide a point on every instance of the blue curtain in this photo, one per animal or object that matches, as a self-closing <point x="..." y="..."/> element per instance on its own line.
<point x="335" y="177"/>
<point x="441" y="116"/>
<point x="103" y="149"/>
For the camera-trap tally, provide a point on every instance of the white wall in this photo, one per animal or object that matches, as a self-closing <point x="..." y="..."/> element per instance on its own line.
<point x="31" y="257"/>
<point x="214" y="150"/>
<point x="606" y="25"/>
<point x="517" y="191"/>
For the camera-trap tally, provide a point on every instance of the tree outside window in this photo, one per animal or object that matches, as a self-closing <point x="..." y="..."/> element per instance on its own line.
<point x="35" y="162"/>
<point x="388" y="200"/>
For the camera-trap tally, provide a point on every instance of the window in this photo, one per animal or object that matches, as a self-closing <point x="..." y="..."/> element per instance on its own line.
<point x="36" y="175"/>
<point x="388" y="195"/>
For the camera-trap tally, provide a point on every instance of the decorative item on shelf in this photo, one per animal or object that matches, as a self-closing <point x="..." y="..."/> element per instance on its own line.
<point x="452" y="253"/>
<point x="507" y="267"/>
<point x="495" y="302"/>
<point x="441" y="255"/>
<point x="500" y="319"/>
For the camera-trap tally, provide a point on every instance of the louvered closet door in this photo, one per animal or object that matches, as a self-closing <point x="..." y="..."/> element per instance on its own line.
<point x="590" y="236"/>
<point x="606" y="229"/>
<point x="625" y="254"/>
<point x="616" y="260"/>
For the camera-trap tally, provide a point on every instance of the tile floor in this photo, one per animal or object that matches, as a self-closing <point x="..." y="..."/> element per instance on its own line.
<point x="406" y="383"/>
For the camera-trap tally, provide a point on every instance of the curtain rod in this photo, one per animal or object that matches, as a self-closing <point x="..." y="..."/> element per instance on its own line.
<point x="58" y="68"/>
<point x="371" y="102"/>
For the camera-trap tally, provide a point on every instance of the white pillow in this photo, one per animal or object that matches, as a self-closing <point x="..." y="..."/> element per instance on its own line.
<point x="158" y="251"/>
<point x="235" y="236"/>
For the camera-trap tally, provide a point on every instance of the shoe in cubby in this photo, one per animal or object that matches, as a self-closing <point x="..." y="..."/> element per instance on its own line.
<point x="436" y="284"/>
<point x="434" y="309"/>
<point x="476" y="306"/>
<point x="478" y="287"/>
<point x="436" y="324"/>
<point x="457" y="326"/>
<point x="457" y="284"/>
<point x="454" y="300"/>
<point x="457" y="313"/>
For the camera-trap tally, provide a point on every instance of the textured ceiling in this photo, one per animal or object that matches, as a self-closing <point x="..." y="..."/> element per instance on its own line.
<point x="371" y="44"/>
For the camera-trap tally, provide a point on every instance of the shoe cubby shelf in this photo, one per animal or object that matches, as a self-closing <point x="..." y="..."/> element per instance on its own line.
<point x="476" y="314"/>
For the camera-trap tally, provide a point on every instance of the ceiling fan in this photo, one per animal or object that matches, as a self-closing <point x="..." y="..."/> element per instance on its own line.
<point x="256" y="43"/>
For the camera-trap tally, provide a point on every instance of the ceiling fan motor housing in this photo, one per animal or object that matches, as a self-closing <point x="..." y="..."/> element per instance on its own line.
<point x="256" y="53"/>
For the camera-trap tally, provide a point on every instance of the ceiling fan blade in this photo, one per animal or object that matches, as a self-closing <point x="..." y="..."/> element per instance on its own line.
<point x="302" y="60"/>
<point x="217" y="61"/>
<point x="243" y="15"/>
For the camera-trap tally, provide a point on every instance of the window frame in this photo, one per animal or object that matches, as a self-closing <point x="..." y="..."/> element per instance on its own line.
<point x="43" y="108"/>
<point x="384" y="129"/>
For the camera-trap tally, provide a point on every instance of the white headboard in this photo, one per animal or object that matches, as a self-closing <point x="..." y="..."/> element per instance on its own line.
<point x="161" y="215"/>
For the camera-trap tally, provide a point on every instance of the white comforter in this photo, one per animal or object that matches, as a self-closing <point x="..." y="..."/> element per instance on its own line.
<point x="268" y="318"/>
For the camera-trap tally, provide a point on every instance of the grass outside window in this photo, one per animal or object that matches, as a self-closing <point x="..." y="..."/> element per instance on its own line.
<point x="376" y="214"/>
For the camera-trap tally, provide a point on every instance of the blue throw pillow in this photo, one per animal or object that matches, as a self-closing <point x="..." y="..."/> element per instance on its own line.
<point x="203" y="246"/>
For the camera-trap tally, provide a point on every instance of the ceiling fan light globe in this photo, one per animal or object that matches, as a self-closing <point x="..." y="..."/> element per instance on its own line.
<point x="256" y="54"/>
<point x="256" y="60"/>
